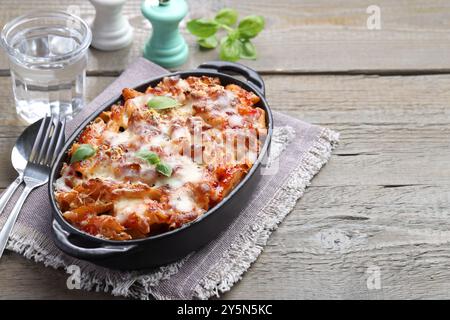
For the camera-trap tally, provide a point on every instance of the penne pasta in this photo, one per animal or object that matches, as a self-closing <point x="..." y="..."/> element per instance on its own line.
<point x="161" y="158"/>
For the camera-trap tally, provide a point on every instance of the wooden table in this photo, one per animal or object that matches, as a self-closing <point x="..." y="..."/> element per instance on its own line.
<point x="380" y="206"/>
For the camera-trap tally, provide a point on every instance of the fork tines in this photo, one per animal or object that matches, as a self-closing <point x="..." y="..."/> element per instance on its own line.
<point x="48" y="141"/>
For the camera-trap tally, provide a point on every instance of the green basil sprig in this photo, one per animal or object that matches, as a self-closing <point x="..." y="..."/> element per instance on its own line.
<point x="162" y="102"/>
<point x="236" y="44"/>
<point x="154" y="159"/>
<point x="83" y="152"/>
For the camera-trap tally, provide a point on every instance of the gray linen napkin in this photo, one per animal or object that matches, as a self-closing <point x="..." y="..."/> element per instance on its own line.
<point x="302" y="149"/>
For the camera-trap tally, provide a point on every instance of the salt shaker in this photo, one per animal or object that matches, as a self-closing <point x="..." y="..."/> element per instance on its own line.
<point x="110" y="29"/>
<point x="166" y="46"/>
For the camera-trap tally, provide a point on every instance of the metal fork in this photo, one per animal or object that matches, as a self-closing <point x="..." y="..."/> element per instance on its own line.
<point x="49" y="141"/>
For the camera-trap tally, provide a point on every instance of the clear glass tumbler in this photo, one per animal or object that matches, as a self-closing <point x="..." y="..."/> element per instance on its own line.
<point x="48" y="58"/>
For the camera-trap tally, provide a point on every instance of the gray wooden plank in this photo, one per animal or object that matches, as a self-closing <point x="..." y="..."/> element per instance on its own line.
<point x="347" y="100"/>
<point x="381" y="201"/>
<point x="24" y="279"/>
<point x="394" y="125"/>
<point x="325" y="247"/>
<point x="301" y="36"/>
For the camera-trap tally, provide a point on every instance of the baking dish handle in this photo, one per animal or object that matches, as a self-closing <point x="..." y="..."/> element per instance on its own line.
<point x="64" y="243"/>
<point x="249" y="74"/>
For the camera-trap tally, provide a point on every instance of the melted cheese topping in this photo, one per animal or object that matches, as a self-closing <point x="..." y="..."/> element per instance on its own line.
<point x="186" y="171"/>
<point x="124" y="207"/>
<point x="182" y="200"/>
<point x="125" y="192"/>
<point x="115" y="139"/>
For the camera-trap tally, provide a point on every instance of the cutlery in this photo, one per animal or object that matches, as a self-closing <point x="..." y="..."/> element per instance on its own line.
<point x="19" y="155"/>
<point x="49" y="141"/>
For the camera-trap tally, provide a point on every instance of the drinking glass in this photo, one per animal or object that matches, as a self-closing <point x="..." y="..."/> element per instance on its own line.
<point x="47" y="52"/>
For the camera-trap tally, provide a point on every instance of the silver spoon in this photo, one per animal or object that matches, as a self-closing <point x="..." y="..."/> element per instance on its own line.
<point x="19" y="156"/>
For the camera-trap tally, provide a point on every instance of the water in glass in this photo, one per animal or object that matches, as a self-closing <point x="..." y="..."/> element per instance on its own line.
<point x="48" y="67"/>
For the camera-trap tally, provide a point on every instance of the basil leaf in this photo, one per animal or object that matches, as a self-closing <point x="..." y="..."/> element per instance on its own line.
<point x="83" y="152"/>
<point x="164" y="169"/>
<point x="227" y="16"/>
<point x="229" y="49"/>
<point x="162" y="102"/>
<point x="208" y="43"/>
<point x="202" y="28"/>
<point x="248" y="50"/>
<point x="250" y="26"/>
<point x="149" y="156"/>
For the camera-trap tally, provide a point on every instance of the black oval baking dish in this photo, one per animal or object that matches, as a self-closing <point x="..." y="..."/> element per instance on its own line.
<point x="172" y="245"/>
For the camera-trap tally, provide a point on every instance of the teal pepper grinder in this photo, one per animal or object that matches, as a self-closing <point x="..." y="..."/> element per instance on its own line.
<point x="166" y="46"/>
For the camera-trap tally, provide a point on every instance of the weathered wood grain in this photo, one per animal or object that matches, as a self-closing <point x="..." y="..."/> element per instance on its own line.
<point x="381" y="201"/>
<point x="300" y="36"/>
<point x="24" y="279"/>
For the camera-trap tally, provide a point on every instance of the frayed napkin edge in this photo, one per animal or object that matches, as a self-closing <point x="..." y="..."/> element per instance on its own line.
<point x="247" y="248"/>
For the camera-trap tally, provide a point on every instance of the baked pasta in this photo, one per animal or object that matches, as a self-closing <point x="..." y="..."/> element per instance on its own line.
<point x="161" y="158"/>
